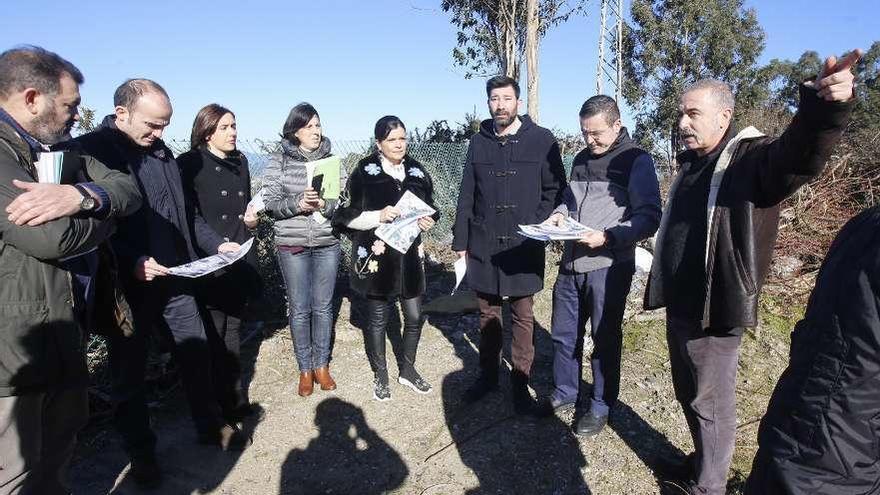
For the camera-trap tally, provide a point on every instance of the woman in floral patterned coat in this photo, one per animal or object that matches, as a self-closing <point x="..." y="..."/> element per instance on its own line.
<point x="378" y="271"/>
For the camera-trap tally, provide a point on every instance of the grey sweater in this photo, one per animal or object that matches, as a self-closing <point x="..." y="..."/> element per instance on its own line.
<point x="284" y="184"/>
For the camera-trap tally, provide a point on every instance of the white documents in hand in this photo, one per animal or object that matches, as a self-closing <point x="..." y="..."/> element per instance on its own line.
<point x="210" y="264"/>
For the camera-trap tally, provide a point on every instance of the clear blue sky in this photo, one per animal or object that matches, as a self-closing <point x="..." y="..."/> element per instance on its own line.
<point x="355" y="60"/>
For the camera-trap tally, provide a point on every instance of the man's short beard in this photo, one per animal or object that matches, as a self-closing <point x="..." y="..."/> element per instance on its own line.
<point x="43" y="129"/>
<point x="502" y="121"/>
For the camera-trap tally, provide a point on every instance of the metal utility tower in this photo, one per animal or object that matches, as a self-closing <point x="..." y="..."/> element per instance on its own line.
<point x="609" y="67"/>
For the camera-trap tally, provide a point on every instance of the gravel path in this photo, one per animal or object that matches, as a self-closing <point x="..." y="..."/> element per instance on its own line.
<point x="344" y="442"/>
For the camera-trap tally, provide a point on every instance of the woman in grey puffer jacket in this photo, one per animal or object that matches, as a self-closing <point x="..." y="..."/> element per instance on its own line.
<point x="307" y="250"/>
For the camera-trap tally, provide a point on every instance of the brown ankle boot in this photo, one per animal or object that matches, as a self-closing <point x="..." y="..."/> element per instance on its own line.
<point x="322" y="377"/>
<point x="305" y="383"/>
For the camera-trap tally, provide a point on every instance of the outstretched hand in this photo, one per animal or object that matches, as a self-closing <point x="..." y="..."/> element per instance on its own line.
<point x="836" y="81"/>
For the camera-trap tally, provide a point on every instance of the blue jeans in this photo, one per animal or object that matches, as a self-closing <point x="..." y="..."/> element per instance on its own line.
<point x="310" y="277"/>
<point x="600" y="297"/>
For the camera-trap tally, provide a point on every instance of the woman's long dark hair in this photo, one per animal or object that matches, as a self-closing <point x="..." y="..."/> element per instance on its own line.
<point x="205" y="124"/>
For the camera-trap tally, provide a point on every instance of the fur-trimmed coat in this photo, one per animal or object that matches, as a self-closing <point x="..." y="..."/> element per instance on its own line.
<point x="378" y="270"/>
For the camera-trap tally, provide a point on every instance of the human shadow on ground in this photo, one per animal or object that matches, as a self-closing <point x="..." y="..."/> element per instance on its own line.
<point x="187" y="466"/>
<point x="507" y="453"/>
<point x="644" y="440"/>
<point x="346" y="457"/>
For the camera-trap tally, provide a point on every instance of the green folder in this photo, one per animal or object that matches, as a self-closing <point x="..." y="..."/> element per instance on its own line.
<point x="328" y="170"/>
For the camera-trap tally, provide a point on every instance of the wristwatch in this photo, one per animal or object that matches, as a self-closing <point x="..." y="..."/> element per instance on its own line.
<point x="88" y="203"/>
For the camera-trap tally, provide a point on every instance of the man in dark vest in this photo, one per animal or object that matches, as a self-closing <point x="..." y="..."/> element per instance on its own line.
<point x="513" y="175"/>
<point x="147" y="243"/>
<point x="612" y="189"/>
<point x="715" y="243"/>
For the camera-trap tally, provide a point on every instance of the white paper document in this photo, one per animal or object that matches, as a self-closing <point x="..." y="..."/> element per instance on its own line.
<point x="49" y="167"/>
<point x="210" y="264"/>
<point x="401" y="233"/>
<point x="460" y="267"/>
<point x="569" y="230"/>
<point x="257" y="202"/>
<point x="643" y="260"/>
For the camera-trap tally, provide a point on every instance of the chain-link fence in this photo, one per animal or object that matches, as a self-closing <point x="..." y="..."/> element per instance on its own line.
<point x="444" y="161"/>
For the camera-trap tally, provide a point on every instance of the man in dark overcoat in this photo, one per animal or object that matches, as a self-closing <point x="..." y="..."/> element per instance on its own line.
<point x="513" y="175"/>
<point x="147" y="243"/>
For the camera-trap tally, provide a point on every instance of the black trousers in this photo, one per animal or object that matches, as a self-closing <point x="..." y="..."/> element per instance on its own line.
<point x="380" y="311"/>
<point x="224" y="338"/>
<point x="166" y="306"/>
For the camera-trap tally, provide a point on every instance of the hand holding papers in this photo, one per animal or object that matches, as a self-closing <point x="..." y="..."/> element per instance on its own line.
<point x="210" y="264"/>
<point x="568" y="230"/>
<point x="401" y="233"/>
<point x="323" y="176"/>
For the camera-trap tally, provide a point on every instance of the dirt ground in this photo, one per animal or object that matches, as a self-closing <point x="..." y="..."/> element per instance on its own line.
<point x="344" y="442"/>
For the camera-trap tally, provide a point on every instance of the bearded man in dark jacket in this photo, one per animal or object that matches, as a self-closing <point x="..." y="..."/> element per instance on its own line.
<point x="715" y="242"/>
<point x="513" y="175"/>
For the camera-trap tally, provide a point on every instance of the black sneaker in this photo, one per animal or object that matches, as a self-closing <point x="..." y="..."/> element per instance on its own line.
<point x="145" y="472"/>
<point x="381" y="390"/>
<point x="413" y="380"/>
<point x="480" y="389"/>
<point x="590" y="425"/>
<point x="675" y="469"/>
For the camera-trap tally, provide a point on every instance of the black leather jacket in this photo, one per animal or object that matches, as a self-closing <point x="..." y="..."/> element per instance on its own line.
<point x="745" y="214"/>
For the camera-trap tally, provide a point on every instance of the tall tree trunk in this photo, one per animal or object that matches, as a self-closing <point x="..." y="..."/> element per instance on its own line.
<point x="532" y="56"/>
<point x="508" y="35"/>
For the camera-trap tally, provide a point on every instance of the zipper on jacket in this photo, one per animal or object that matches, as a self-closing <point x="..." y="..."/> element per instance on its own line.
<point x="72" y="300"/>
<point x="710" y="266"/>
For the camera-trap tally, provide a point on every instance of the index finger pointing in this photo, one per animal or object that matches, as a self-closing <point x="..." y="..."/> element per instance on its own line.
<point x="848" y="61"/>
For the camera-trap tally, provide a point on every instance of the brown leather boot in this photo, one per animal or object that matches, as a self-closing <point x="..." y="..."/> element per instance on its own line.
<point x="305" y="383"/>
<point x="322" y="377"/>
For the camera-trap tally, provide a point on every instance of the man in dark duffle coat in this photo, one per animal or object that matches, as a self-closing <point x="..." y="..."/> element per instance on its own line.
<point x="513" y="175"/>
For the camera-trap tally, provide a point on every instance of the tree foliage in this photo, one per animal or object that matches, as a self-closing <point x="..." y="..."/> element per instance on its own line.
<point x="491" y="33"/>
<point x="671" y="44"/>
<point x="439" y="131"/>
<point x="782" y="78"/>
<point x="86" y="120"/>
<point x="867" y="112"/>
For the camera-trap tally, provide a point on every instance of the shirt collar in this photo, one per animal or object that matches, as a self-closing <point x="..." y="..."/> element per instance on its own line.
<point x="35" y="146"/>
<point x="387" y="163"/>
